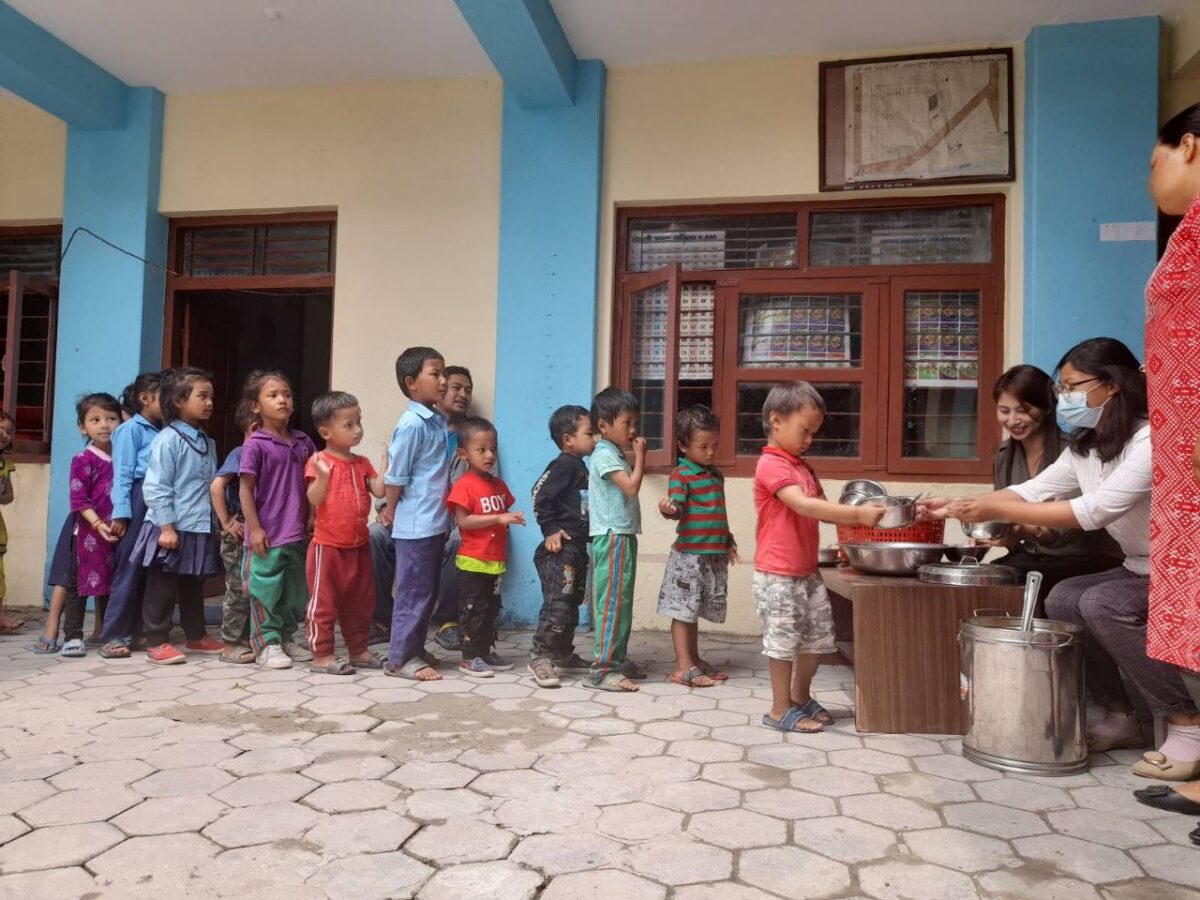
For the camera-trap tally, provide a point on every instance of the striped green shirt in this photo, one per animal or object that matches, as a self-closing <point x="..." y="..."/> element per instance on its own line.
<point x="699" y="495"/>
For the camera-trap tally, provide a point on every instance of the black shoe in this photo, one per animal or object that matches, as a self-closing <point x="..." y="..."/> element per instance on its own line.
<point x="1167" y="798"/>
<point x="449" y="637"/>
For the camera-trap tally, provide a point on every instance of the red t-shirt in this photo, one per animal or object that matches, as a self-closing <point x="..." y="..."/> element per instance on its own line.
<point x="482" y="495"/>
<point x="342" y="515"/>
<point x="786" y="542"/>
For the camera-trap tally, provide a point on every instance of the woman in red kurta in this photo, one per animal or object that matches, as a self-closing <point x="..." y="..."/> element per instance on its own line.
<point x="1173" y="379"/>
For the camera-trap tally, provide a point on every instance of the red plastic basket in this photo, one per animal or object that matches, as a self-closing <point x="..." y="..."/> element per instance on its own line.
<point x="928" y="532"/>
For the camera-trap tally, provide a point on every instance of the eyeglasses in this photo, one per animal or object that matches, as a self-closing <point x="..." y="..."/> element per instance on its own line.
<point x="1069" y="387"/>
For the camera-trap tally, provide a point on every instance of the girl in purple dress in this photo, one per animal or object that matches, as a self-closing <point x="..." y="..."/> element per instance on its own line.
<point x="94" y="543"/>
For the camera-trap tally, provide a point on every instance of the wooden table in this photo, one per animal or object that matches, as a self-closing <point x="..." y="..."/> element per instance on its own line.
<point x="905" y="654"/>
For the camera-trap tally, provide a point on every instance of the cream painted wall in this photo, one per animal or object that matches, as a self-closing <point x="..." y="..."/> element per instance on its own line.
<point x="413" y="170"/>
<point x="743" y="130"/>
<point x="33" y="152"/>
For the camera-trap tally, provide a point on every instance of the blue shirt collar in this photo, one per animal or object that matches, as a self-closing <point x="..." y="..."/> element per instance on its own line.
<point x="424" y="411"/>
<point x="142" y="420"/>
<point x="185" y="428"/>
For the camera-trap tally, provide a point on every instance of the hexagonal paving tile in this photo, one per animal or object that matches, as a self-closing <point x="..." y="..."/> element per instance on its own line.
<point x="421" y="775"/>
<point x="1078" y="859"/>
<point x="261" y="824"/>
<point x="960" y="850"/>
<point x="178" y="756"/>
<point x="516" y="783"/>
<point x="373" y="831"/>
<point x="873" y="762"/>
<point x="25" y="768"/>
<point x="909" y="881"/>
<point x="793" y="873"/>
<point x="1114" y="831"/>
<point x="168" y="815"/>
<point x="639" y="821"/>
<point x="274" y="759"/>
<point x="1113" y="800"/>
<point x="706" y="751"/>
<point x="372" y="876"/>
<point x="274" y="787"/>
<point x="956" y="768"/>
<point x="353" y="768"/>
<point x="438" y="806"/>
<point x="534" y="815"/>
<point x="604" y="790"/>
<point x="844" y="839"/>
<point x="927" y="788"/>
<point x="11" y="827"/>
<point x="694" y="796"/>
<point x="787" y="803"/>
<point x="76" y="807"/>
<point x="513" y="757"/>
<point x="461" y="841"/>
<point x="600" y="883"/>
<point x="998" y="821"/>
<point x="1032" y="883"/>
<point x="181" y="782"/>
<point x="902" y="744"/>
<point x="890" y="812"/>
<point x="1024" y="795"/>
<point x="556" y="854"/>
<point x="482" y="881"/>
<point x="787" y="756"/>
<point x="1169" y="865"/>
<point x="723" y="890"/>
<point x="745" y="776"/>
<point x="140" y="859"/>
<point x="833" y="781"/>
<point x="55" y="848"/>
<point x="113" y="773"/>
<point x="351" y="796"/>
<point x="69" y="882"/>
<point x="675" y="861"/>
<point x="737" y="829"/>
<point x="17" y="795"/>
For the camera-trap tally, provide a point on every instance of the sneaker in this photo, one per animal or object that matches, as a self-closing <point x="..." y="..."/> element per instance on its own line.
<point x="497" y="663"/>
<point x="476" y="668"/>
<point x="449" y="636"/>
<point x="543" y="673"/>
<point x="273" y="657"/>
<point x="573" y="664"/>
<point x="296" y="652"/>
<point x="207" y="644"/>
<point x="165" y="655"/>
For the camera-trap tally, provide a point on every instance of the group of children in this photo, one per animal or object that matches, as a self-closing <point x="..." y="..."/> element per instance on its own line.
<point x="153" y="516"/>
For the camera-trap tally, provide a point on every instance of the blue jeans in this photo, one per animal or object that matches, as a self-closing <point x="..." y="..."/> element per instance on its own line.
<point x="418" y="571"/>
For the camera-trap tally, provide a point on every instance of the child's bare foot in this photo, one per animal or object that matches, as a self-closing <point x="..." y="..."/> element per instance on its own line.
<point x="428" y="673"/>
<point x="711" y="671"/>
<point x="10" y="624"/>
<point x="367" y="660"/>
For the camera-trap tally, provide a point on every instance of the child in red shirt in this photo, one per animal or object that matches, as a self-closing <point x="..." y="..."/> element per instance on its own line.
<point x="479" y="502"/>
<point x="340" y="578"/>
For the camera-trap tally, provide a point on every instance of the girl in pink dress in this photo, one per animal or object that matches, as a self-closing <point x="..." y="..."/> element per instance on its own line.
<point x="91" y="505"/>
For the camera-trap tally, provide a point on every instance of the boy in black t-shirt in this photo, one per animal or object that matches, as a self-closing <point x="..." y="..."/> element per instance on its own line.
<point x="560" y="505"/>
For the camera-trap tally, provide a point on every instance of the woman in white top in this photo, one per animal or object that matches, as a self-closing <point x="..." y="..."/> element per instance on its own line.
<point x="1102" y="406"/>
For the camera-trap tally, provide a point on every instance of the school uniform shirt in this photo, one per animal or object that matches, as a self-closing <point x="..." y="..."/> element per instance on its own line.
<point x="183" y="463"/>
<point x="786" y="541"/>
<point x="279" y="491"/>
<point x="232" y="466"/>
<point x="1112" y="495"/>
<point x="698" y="493"/>
<point x="482" y="549"/>
<point x="131" y="454"/>
<point x="342" y="515"/>
<point x="560" y="498"/>
<point x="419" y="462"/>
<point x="608" y="507"/>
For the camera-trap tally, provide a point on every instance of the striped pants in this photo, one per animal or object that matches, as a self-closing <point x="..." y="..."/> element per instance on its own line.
<point x="1111" y="607"/>
<point x="614" y="566"/>
<point x="341" y="590"/>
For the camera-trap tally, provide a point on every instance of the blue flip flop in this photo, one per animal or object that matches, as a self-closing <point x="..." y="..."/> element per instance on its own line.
<point x="44" y="647"/>
<point x="790" y="719"/>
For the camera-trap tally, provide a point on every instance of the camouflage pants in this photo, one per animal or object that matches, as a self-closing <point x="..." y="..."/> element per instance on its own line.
<point x="795" y="615"/>
<point x="235" y="610"/>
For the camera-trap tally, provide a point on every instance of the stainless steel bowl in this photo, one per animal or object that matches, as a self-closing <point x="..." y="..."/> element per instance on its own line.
<point x="854" y="498"/>
<point x="892" y="558"/>
<point x="828" y="556"/>
<point x="965" y="551"/>
<point x="900" y="512"/>
<point x="864" y="486"/>
<point x="986" y="531"/>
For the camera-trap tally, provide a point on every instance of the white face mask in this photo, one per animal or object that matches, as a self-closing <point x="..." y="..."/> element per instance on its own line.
<point x="1073" y="413"/>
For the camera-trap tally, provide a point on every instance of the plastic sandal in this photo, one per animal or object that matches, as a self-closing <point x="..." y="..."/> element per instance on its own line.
<point x="44" y="647"/>
<point x="789" y="720"/>
<point x="688" y="678"/>
<point x="613" y="683"/>
<point x="373" y="663"/>
<point x="115" y="650"/>
<point x="337" y="667"/>
<point x="73" y="649"/>
<point x="713" y="672"/>
<point x="815" y="711"/>
<point x="409" y="670"/>
<point x="239" y="656"/>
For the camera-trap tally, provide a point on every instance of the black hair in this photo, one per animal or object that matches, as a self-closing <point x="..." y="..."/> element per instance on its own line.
<point x="789" y="397"/>
<point x="106" y="402"/>
<point x="610" y="403"/>
<point x="410" y="363"/>
<point x="256" y="379"/>
<point x="243" y="415"/>
<point x="145" y="383"/>
<point x="1127" y="410"/>
<point x="1034" y="388"/>
<point x="330" y="402"/>
<point x="1186" y="122"/>
<point x="472" y="425"/>
<point x="177" y="387"/>
<point x="564" y="421"/>
<point x="691" y="419"/>
<point x="459" y="370"/>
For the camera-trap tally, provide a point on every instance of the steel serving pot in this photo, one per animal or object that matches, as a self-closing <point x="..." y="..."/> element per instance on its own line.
<point x="965" y="551"/>
<point x="891" y="558"/>
<point x="899" y="512"/>
<point x="864" y="486"/>
<point x="969" y="573"/>
<point x="986" y="531"/>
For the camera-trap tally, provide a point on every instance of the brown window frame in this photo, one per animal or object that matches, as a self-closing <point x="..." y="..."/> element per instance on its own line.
<point x="14" y="285"/>
<point x="882" y="372"/>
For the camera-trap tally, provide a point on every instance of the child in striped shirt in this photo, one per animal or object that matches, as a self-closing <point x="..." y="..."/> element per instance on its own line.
<point x="695" y="582"/>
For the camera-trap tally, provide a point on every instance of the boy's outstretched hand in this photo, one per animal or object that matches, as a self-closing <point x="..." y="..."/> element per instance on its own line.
<point x="512" y="518"/>
<point x="554" y="542"/>
<point x="668" y="509"/>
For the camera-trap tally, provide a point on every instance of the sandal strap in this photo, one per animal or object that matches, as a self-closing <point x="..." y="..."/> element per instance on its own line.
<point x="692" y="674"/>
<point x="789" y="719"/>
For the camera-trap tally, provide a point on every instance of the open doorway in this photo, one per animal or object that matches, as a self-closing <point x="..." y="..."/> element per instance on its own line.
<point x="231" y="333"/>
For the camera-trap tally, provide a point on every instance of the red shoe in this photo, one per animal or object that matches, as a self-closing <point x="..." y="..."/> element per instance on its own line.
<point x="207" y="644"/>
<point x="165" y="655"/>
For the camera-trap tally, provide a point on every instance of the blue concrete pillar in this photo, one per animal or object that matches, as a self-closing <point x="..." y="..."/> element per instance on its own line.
<point x="546" y="318"/>
<point x="1091" y="116"/>
<point x="110" y="307"/>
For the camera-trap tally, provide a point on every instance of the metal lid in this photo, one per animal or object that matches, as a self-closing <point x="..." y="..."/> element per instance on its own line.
<point x="968" y="573"/>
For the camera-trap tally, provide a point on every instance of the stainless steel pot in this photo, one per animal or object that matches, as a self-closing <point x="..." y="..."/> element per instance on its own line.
<point x="891" y="558"/>
<point x="986" y="531"/>
<point x="1023" y="698"/>
<point x="968" y="573"/>
<point x="828" y="556"/>
<point x="864" y="486"/>
<point x="900" y="512"/>
<point x="965" y="551"/>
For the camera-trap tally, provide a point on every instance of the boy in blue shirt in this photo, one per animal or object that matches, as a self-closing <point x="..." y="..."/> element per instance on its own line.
<point x="417" y="482"/>
<point x="615" y="522"/>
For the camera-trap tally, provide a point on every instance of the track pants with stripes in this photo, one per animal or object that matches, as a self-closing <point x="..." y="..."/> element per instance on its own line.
<point x="341" y="590"/>
<point x="614" y="566"/>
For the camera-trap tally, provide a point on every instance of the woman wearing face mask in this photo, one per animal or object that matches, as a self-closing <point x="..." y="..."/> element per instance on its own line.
<point x="1106" y="469"/>
<point x="1172" y="338"/>
<point x="1025" y="408"/>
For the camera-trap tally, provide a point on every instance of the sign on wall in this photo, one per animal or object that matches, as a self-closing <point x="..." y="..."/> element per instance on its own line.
<point x="909" y="120"/>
